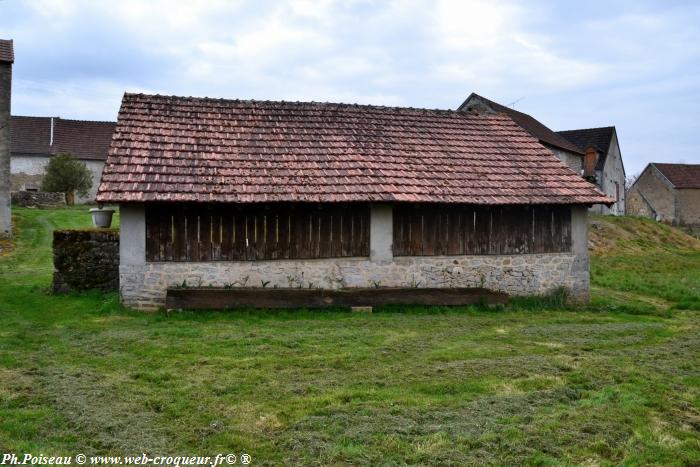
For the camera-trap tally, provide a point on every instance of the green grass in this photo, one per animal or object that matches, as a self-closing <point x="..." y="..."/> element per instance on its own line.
<point x="534" y="383"/>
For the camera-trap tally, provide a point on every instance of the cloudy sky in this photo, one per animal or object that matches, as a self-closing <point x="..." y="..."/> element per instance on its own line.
<point x="632" y="64"/>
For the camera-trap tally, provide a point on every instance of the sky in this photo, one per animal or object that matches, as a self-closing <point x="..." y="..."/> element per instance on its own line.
<point x="632" y="64"/>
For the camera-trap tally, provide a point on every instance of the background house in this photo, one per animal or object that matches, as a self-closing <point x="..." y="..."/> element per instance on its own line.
<point x="220" y="192"/>
<point x="603" y="164"/>
<point x="36" y="139"/>
<point x="568" y="153"/>
<point x="669" y="193"/>
<point x="7" y="58"/>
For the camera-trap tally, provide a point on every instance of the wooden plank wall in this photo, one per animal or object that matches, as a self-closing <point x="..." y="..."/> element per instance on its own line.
<point x="426" y="230"/>
<point x="198" y="232"/>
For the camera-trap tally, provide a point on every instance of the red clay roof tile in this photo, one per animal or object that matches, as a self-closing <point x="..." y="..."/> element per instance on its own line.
<point x="680" y="175"/>
<point x="169" y="148"/>
<point x="81" y="138"/>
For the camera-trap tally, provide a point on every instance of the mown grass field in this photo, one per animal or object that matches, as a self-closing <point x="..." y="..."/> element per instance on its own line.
<point x="617" y="382"/>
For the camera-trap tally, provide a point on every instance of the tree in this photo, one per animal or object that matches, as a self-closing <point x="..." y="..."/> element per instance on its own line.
<point x="630" y="179"/>
<point x="67" y="175"/>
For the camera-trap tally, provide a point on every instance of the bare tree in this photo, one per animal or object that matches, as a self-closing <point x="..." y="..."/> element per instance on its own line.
<point x="630" y="179"/>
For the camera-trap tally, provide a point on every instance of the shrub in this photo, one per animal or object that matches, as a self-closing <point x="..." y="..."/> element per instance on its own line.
<point x="67" y="175"/>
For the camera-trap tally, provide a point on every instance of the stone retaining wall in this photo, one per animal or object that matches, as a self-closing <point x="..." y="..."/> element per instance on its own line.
<point x="85" y="259"/>
<point x="144" y="286"/>
<point x="38" y="199"/>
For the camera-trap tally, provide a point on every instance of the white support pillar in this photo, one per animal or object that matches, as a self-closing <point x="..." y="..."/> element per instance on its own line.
<point x="132" y="235"/>
<point x="381" y="233"/>
<point x="579" y="246"/>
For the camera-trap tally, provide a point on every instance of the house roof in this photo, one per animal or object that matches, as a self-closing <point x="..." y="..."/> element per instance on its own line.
<point x="7" y="53"/>
<point x="680" y="175"/>
<point x="82" y="139"/>
<point x="529" y="123"/>
<point x="599" y="138"/>
<point x="168" y="148"/>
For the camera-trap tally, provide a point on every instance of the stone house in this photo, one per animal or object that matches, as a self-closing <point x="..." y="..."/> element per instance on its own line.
<point x="229" y="193"/>
<point x="602" y="164"/>
<point x="565" y="150"/>
<point x="667" y="193"/>
<point x="36" y="139"/>
<point x="7" y="58"/>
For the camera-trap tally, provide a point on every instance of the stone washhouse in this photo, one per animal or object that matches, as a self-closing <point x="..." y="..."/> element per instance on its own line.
<point x="233" y="193"/>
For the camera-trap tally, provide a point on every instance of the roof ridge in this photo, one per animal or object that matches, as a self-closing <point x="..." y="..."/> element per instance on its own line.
<point x="64" y="119"/>
<point x="286" y="102"/>
<point x="85" y="121"/>
<point x="609" y="127"/>
<point x="675" y="163"/>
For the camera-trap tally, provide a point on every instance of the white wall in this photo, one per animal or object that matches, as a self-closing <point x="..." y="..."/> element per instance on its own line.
<point x="572" y="160"/>
<point x="29" y="170"/>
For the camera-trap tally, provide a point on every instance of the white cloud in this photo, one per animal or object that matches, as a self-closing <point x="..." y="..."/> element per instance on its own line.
<point x="574" y="66"/>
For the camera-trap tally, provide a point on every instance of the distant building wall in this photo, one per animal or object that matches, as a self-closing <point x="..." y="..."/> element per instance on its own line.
<point x="688" y="206"/>
<point x="27" y="171"/>
<point x="611" y="181"/>
<point x="652" y="196"/>
<point x="572" y="160"/>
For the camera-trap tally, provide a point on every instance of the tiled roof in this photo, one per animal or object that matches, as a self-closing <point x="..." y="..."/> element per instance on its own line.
<point x="599" y="138"/>
<point x="169" y="148"/>
<point x="529" y="123"/>
<point x="7" y="53"/>
<point x="83" y="139"/>
<point x="681" y="175"/>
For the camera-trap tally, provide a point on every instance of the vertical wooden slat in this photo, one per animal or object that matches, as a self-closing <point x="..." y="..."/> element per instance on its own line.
<point x="192" y="220"/>
<point x="216" y="235"/>
<point x="283" y="236"/>
<point x="204" y="234"/>
<point x="251" y="222"/>
<point x="357" y="234"/>
<point x="260" y="233"/>
<point x="455" y="243"/>
<point x="336" y="248"/>
<point x="152" y="234"/>
<point x="226" y="234"/>
<point x="365" y="231"/>
<point x="180" y="232"/>
<point x="296" y="234"/>
<point x="271" y="246"/>
<point x="416" y="232"/>
<point x="239" y="250"/>
<point x="566" y="222"/>
<point x="346" y="233"/>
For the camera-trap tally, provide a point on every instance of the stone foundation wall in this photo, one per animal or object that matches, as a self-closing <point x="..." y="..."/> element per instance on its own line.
<point x="85" y="259"/>
<point x="144" y="286"/>
<point x="39" y="199"/>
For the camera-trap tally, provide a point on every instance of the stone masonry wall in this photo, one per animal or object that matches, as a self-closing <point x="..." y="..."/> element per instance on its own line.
<point x="656" y="191"/>
<point x="85" y="259"/>
<point x="144" y="286"/>
<point x="40" y="199"/>
<point x="5" y="104"/>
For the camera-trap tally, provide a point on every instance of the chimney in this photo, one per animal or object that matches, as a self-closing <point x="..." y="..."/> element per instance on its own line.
<point x="7" y="58"/>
